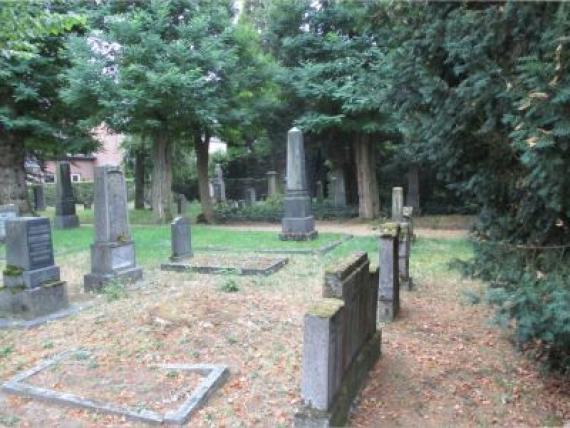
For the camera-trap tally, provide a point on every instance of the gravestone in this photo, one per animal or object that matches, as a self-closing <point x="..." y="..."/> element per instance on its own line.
<point x="397" y="203"/>
<point x="7" y="212"/>
<point x="65" y="217"/>
<point x="181" y="239"/>
<point x="338" y="188"/>
<point x="341" y="343"/>
<point x="320" y="191"/>
<point x="298" y="222"/>
<point x="408" y="216"/>
<point x="404" y="256"/>
<point x="250" y="196"/>
<point x="181" y="204"/>
<point x="219" y="184"/>
<point x="39" y="197"/>
<point x="272" y="188"/>
<point x="389" y="280"/>
<point x="113" y="252"/>
<point x="32" y="285"/>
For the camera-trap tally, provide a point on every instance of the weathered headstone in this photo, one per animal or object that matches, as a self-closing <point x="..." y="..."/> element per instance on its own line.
<point x="320" y="191"/>
<point x="181" y="203"/>
<point x="250" y="195"/>
<point x="298" y="223"/>
<point x="340" y="343"/>
<point x="397" y="203"/>
<point x="181" y="239"/>
<point x="272" y="188"/>
<point x="113" y="252"/>
<point x="65" y="217"/>
<point x="338" y="188"/>
<point x="6" y="212"/>
<point x="404" y="256"/>
<point x="408" y="216"/>
<point x="219" y="184"/>
<point x="32" y="285"/>
<point x="39" y="197"/>
<point x="389" y="281"/>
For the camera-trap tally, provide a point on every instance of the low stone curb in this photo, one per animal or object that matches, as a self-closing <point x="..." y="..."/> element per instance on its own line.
<point x="313" y="251"/>
<point x="215" y="376"/>
<point x="11" y="323"/>
<point x="188" y="267"/>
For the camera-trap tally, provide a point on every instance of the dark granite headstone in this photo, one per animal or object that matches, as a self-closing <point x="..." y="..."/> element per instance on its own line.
<point x="298" y="222"/>
<point x="65" y="217"/>
<point x="32" y="285"/>
<point x="113" y="252"/>
<point x="39" y="197"/>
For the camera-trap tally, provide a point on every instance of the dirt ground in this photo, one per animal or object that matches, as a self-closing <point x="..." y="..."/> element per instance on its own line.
<point x="442" y="363"/>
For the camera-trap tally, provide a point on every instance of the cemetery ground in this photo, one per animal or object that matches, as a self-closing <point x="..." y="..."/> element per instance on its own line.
<point x="442" y="364"/>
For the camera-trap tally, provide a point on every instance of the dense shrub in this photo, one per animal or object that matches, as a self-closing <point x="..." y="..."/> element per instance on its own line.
<point x="271" y="210"/>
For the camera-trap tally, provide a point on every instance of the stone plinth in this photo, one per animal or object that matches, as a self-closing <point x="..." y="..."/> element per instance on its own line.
<point x="7" y="212"/>
<point x="32" y="285"/>
<point x="397" y="203"/>
<point x="65" y="216"/>
<point x="389" y="281"/>
<point x="298" y="222"/>
<point x="113" y="252"/>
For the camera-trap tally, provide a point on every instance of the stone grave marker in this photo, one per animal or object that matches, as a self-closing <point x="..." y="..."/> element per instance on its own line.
<point x="65" y="216"/>
<point x="220" y="186"/>
<point x="320" y="192"/>
<point x="32" y="285"/>
<point x="7" y="212"/>
<point x="181" y="204"/>
<point x="39" y="197"/>
<point x="113" y="252"/>
<point x="389" y="280"/>
<point x="338" y="188"/>
<point x="404" y="256"/>
<point x="272" y="188"/>
<point x="298" y="222"/>
<point x="397" y="203"/>
<point x="181" y="239"/>
<point x="250" y="195"/>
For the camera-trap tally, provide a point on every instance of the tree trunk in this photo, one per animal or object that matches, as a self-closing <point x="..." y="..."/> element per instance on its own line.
<point x="201" y="149"/>
<point x="13" y="173"/>
<point x="162" y="179"/>
<point x="139" y="179"/>
<point x="413" y="193"/>
<point x="368" y="198"/>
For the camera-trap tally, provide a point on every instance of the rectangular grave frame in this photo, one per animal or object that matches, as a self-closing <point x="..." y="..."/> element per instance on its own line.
<point x="214" y="376"/>
<point x="187" y="266"/>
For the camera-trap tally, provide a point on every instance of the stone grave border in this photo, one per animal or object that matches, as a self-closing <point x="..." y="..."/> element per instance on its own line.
<point x="324" y="249"/>
<point x="14" y="323"/>
<point x="187" y="266"/>
<point x="214" y="377"/>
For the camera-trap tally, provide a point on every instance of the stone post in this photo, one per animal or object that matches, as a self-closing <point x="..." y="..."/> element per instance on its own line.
<point x="320" y="191"/>
<point x="32" y="285"/>
<point x="39" y="197"/>
<point x="272" y="188"/>
<point x="408" y="215"/>
<point x="397" y="203"/>
<point x="221" y="186"/>
<point x="338" y="188"/>
<point x="389" y="283"/>
<point x="113" y="252"/>
<point x="6" y="212"/>
<point x="404" y="256"/>
<point x="65" y="217"/>
<point x="181" y="239"/>
<point x="298" y="222"/>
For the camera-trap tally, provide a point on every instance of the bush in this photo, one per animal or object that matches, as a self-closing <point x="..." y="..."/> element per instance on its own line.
<point x="83" y="191"/>
<point x="533" y="290"/>
<point x="271" y="210"/>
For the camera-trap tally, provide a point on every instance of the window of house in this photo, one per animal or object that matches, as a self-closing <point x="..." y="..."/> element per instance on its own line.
<point x="49" y="178"/>
<point x="75" y="178"/>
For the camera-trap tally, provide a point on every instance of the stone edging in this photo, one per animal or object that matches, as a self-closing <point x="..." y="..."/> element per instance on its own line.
<point x="188" y="267"/>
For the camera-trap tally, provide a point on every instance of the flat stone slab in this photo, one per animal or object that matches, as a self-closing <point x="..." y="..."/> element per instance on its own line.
<point x="227" y="264"/>
<point x="213" y="377"/>
<point x="324" y="249"/>
<point x="15" y="323"/>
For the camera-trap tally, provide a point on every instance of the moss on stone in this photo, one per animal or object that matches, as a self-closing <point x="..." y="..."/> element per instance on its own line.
<point x="12" y="270"/>
<point x="389" y="229"/>
<point x="326" y="308"/>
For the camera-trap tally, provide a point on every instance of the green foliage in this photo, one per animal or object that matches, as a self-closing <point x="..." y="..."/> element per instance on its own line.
<point x="114" y="290"/>
<point x="229" y="286"/>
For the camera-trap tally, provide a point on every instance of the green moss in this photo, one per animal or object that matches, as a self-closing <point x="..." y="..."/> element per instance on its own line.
<point x="12" y="270"/>
<point x="326" y="308"/>
<point x="389" y="229"/>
